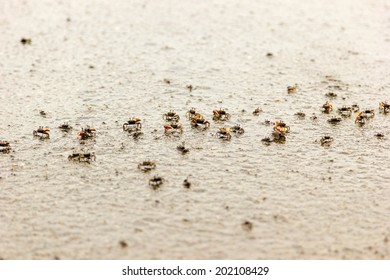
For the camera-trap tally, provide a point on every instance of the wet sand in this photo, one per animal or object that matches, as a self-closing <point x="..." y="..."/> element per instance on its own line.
<point x="98" y="63"/>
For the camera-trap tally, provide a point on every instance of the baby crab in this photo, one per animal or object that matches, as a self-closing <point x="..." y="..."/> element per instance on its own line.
<point x="267" y="141"/>
<point x="221" y="115"/>
<point x="85" y="157"/>
<point x="132" y="124"/>
<point x="197" y="121"/>
<point x="281" y="127"/>
<point x="370" y="113"/>
<point x="327" y="108"/>
<point x="384" y="107"/>
<point x="181" y="148"/>
<point x="331" y="95"/>
<point x="5" y="147"/>
<point x="42" y="132"/>
<point x="379" y="135"/>
<point x="87" y="133"/>
<point x="191" y="113"/>
<point x="172" y="128"/>
<point x="334" y="120"/>
<point x="326" y="140"/>
<point x="171" y="116"/>
<point x="237" y="129"/>
<point x="345" y="111"/>
<point x="257" y="111"/>
<point x="156" y="182"/>
<point x="300" y="115"/>
<point x="355" y="107"/>
<point x="65" y="127"/>
<point x="146" y="166"/>
<point x="278" y="137"/>
<point x="292" y="89"/>
<point x="224" y="133"/>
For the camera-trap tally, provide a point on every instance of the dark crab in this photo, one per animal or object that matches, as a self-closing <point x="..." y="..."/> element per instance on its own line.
<point x="370" y="113"/>
<point x="191" y="113"/>
<point x="345" y="111"/>
<point x="267" y="141"/>
<point x="331" y="95"/>
<point x="326" y="140"/>
<point x="300" y="115"/>
<point x="257" y="111"/>
<point x="334" y="120"/>
<point x="237" y="129"/>
<point x="65" y="127"/>
<point x="182" y="148"/>
<point x="384" y="107"/>
<point x="146" y="166"/>
<point x="156" y="182"/>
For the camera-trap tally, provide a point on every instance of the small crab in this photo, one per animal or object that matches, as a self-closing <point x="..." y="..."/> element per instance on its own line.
<point x="146" y="166"/>
<point x="186" y="183"/>
<point x="223" y="133"/>
<point x="331" y="95"/>
<point x="278" y="137"/>
<point x="5" y="147"/>
<point x="198" y="121"/>
<point x="281" y="127"/>
<point x="42" y="132"/>
<point x="65" y="127"/>
<point x="85" y="157"/>
<point x="292" y="89"/>
<point x="334" y="120"/>
<point x="355" y="107"/>
<point x="327" y="108"/>
<point x="171" y="116"/>
<point x="257" y="111"/>
<point x="379" y="135"/>
<point x="300" y="115"/>
<point x="182" y="148"/>
<point x="221" y="115"/>
<point x="345" y="111"/>
<point x="172" y="128"/>
<point x="266" y="122"/>
<point x="326" y="140"/>
<point x="384" y="107"/>
<point x="267" y="141"/>
<point x="87" y="133"/>
<point x="370" y="113"/>
<point x="314" y="117"/>
<point x="361" y="118"/>
<point x="156" y="182"/>
<point x="132" y="123"/>
<point x="191" y="113"/>
<point x="237" y="129"/>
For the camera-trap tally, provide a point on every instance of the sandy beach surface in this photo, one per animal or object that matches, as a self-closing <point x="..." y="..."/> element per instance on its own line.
<point x="100" y="62"/>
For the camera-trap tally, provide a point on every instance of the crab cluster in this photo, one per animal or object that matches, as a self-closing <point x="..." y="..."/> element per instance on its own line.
<point x="280" y="130"/>
<point x="82" y="157"/>
<point x="5" y="147"/>
<point x="172" y="127"/>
